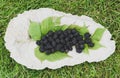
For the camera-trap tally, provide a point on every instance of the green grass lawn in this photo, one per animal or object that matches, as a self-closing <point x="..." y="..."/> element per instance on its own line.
<point x="106" y="12"/>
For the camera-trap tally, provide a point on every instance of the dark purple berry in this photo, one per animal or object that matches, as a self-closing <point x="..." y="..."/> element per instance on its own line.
<point x="53" y="43"/>
<point x="74" y="41"/>
<point x="38" y="42"/>
<point x="62" y="50"/>
<point x="48" y="52"/>
<point x="52" y="50"/>
<point x="66" y="39"/>
<point x="74" y="31"/>
<point x="87" y="35"/>
<point x="71" y="36"/>
<point x="81" y="46"/>
<point x="70" y="48"/>
<point x="81" y="42"/>
<point x="45" y="41"/>
<point x="59" y="46"/>
<point x="79" y="37"/>
<point x="50" y="33"/>
<point x="57" y="41"/>
<point x="55" y="36"/>
<point x="62" y="41"/>
<point x="44" y="38"/>
<point x="77" y="46"/>
<point x="65" y="33"/>
<point x="50" y="39"/>
<point x="41" y="49"/>
<point x="78" y="50"/>
<point x="91" y="44"/>
<point x="76" y="34"/>
<point x="48" y="46"/>
<point x="61" y="36"/>
<point x="88" y="40"/>
<point x="69" y="31"/>
<point x="59" y="32"/>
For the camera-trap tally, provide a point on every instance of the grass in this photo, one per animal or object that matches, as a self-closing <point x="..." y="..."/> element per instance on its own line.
<point x="106" y="12"/>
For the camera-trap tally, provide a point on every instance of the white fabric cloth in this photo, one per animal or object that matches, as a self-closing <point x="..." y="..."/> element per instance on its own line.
<point x="21" y="47"/>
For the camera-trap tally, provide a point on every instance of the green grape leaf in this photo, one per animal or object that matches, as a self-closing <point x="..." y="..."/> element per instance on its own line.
<point x="56" y="21"/>
<point x="86" y="49"/>
<point x="72" y="26"/>
<point x="34" y="30"/>
<point x="82" y="30"/>
<point x="46" y="25"/>
<point x="56" y="28"/>
<point x="97" y="45"/>
<point x="49" y="24"/>
<point x="98" y="34"/>
<point x="64" y="27"/>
